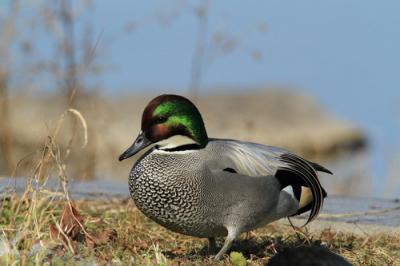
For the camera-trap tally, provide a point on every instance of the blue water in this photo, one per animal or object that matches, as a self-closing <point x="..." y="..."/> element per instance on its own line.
<point x="344" y="52"/>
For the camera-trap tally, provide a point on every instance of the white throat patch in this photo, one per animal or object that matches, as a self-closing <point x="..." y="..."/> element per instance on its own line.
<point x="174" y="142"/>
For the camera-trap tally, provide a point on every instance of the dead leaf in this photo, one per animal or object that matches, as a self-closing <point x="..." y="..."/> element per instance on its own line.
<point x="56" y="234"/>
<point x="100" y="238"/>
<point x="70" y="224"/>
<point x="72" y="230"/>
<point x="71" y="221"/>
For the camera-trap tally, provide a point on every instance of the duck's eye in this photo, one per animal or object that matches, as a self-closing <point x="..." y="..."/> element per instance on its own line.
<point x="161" y="119"/>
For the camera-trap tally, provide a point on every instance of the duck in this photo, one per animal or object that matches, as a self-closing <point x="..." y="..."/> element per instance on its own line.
<point x="209" y="187"/>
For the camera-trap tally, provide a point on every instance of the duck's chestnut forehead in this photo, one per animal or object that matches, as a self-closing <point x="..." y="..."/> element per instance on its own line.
<point x="159" y="105"/>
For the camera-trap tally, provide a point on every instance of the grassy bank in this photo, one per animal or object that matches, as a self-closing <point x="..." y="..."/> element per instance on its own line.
<point x="42" y="229"/>
<point x="48" y="227"/>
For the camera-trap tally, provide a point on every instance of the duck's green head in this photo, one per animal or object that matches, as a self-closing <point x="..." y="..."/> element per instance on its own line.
<point x="169" y="121"/>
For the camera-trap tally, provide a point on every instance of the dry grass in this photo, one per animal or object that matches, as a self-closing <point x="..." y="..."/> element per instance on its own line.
<point x="137" y="240"/>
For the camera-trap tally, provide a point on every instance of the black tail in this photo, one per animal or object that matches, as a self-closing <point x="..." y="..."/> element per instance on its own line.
<point x="320" y="168"/>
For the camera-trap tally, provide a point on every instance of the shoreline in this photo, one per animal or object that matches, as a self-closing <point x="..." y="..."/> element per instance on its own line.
<point x="337" y="211"/>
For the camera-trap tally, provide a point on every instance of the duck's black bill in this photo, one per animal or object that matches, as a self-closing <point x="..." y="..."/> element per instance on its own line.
<point x="140" y="143"/>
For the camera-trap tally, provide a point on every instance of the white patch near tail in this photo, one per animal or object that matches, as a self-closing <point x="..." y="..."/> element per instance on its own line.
<point x="287" y="203"/>
<point x="289" y="190"/>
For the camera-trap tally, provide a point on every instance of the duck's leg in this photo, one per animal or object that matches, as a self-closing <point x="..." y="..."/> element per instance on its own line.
<point x="212" y="247"/>
<point x="232" y="235"/>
